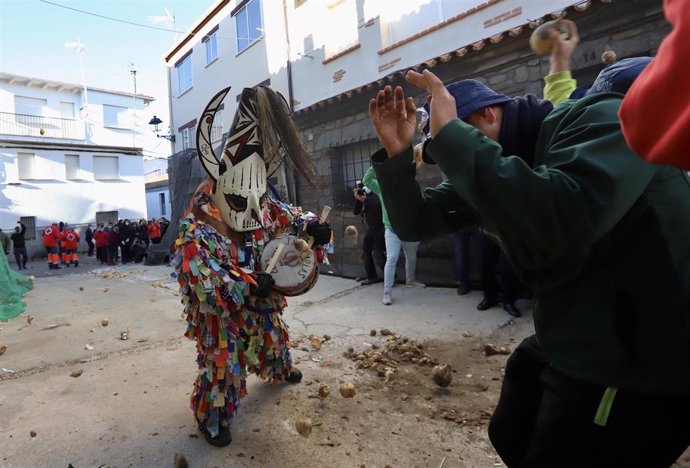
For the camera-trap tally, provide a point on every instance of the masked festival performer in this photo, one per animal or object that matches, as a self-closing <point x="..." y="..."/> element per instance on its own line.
<point x="70" y="242"/>
<point x="222" y="256"/>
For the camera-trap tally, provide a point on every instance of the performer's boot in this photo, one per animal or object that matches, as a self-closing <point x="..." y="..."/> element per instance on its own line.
<point x="295" y="376"/>
<point x="221" y="440"/>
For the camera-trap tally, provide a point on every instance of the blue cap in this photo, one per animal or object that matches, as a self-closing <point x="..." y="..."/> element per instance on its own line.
<point x="619" y="76"/>
<point x="472" y="95"/>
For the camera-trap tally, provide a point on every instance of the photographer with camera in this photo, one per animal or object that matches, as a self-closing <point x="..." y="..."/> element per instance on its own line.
<point x="368" y="207"/>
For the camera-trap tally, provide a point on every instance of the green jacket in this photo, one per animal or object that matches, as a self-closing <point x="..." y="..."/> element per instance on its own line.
<point x="602" y="237"/>
<point x="369" y="181"/>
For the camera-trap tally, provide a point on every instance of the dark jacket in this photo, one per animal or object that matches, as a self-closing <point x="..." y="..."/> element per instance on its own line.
<point x="18" y="238"/>
<point x="88" y="235"/>
<point x="370" y="211"/>
<point x="601" y="236"/>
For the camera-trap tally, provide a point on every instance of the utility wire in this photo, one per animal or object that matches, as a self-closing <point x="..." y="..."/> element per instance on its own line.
<point x="141" y="25"/>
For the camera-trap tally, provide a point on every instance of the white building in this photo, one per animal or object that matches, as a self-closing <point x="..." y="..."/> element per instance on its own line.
<point x="63" y="159"/>
<point x="312" y="50"/>
<point x="157" y="191"/>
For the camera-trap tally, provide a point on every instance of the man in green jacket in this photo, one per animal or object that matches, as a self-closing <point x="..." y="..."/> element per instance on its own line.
<point x="601" y="236"/>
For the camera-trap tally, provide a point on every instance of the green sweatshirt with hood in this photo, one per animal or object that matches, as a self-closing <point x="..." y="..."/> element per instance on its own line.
<point x="602" y="237"/>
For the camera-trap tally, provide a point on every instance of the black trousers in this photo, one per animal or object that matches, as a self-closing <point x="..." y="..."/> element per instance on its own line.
<point x="102" y="254"/>
<point x="373" y="252"/>
<point x="21" y="256"/>
<point x="546" y="419"/>
<point x="91" y="245"/>
<point x="492" y="259"/>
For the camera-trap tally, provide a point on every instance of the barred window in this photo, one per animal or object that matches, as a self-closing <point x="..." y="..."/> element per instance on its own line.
<point x="349" y="162"/>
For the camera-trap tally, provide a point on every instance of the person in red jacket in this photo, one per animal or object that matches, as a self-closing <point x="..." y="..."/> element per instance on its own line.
<point x="51" y="236"/>
<point x="154" y="229"/>
<point x="70" y="241"/>
<point x="655" y="114"/>
<point x="101" y="239"/>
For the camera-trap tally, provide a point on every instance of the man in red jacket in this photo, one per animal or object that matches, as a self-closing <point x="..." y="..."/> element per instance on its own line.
<point x="51" y="236"/>
<point x="70" y="242"/>
<point x="154" y="229"/>
<point x="101" y="239"/>
<point x="655" y="114"/>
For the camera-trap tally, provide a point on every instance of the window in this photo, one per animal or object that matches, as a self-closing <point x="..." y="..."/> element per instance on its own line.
<point x="161" y="198"/>
<point x="217" y="128"/>
<point x="184" y="74"/>
<point x="211" y="45"/>
<point x="349" y="163"/>
<point x="66" y="110"/>
<point x="105" y="217"/>
<point x="106" y="167"/>
<point x="249" y="25"/>
<point x="186" y="140"/>
<point x="30" y="106"/>
<point x="115" y="116"/>
<point x="342" y="31"/>
<point x="72" y="168"/>
<point x="30" y="223"/>
<point x="26" y="163"/>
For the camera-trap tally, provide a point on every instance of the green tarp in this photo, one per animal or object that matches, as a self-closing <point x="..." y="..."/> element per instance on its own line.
<point x="13" y="286"/>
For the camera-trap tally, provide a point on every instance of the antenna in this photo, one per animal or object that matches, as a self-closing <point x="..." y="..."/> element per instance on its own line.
<point x="79" y="48"/>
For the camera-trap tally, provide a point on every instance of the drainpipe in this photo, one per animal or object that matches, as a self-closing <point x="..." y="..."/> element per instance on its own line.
<point x="294" y="187"/>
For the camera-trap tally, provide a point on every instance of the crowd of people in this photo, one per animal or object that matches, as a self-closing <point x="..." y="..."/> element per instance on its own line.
<point x="112" y="243"/>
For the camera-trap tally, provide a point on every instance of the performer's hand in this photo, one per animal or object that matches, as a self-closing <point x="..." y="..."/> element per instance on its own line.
<point x="264" y="285"/>
<point x="563" y="48"/>
<point x="320" y="232"/>
<point x="442" y="104"/>
<point x="394" y="119"/>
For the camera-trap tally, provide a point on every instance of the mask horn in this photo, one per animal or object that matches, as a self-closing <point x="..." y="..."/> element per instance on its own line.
<point x="204" y="148"/>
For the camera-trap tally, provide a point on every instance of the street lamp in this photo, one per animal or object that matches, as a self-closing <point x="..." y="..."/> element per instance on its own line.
<point x="155" y="124"/>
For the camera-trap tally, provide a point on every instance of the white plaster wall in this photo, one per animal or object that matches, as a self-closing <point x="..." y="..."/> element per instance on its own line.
<point x="314" y="80"/>
<point x="153" y="205"/>
<point x="265" y="59"/>
<point x="92" y="129"/>
<point x="52" y="198"/>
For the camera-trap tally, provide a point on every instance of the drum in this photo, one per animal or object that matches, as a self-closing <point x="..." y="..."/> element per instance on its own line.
<point x="295" y="272"/>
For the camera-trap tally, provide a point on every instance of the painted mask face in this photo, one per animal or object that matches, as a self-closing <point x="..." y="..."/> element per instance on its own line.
<point x="240" y="175"/>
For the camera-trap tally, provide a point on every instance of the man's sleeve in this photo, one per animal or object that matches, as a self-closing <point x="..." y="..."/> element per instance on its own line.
<point x="655" y="114"/>
<point x="558" y="87"/>
<point x="591" y="181"/>
<point x="417" y="215"/>
<point x="369" y="180"/>
<point x="358" y="207"/>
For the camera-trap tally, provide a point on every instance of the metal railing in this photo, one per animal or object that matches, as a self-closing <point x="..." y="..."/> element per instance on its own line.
<point x="38" y="126"/>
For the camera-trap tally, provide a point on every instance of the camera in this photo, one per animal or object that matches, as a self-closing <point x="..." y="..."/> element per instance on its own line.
<point x="359" y="188"/>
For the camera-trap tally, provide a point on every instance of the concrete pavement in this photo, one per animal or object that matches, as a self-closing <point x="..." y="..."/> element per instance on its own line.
<point x="130" y="405"/>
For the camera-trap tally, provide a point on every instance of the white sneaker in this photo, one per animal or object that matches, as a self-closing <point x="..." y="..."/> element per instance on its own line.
<point x="415" y="284"/>
<point x="387" y="299"/>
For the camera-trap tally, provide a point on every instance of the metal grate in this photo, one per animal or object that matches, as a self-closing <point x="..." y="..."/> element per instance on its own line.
<point x="105" y="217"/>
<point x="349" y="162"/>
<point x="30" y="223"/>
<point x="38" y="126"/>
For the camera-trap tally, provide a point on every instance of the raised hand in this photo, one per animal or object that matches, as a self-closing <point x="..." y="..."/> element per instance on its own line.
<point x="563" y="47"/>
<point x="442" y="104"/>
<point x="394" y="119"/>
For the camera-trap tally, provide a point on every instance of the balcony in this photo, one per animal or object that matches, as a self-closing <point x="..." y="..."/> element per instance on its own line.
<point x="41" y="127"/>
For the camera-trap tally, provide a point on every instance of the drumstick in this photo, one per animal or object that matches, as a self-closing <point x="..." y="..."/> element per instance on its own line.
<point x="274" y="258"/>
<point x="322" y="219"/>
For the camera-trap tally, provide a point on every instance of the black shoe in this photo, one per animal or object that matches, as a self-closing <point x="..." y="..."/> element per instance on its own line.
<point x="221" y="440"/>
<point x="295" y="376"/>
<point x="370" y="281"/>
<point x="463" y="289"/>
<point x="487" y="304"/>
<point x="57" y="267"/>
<point x="512" y="310"/>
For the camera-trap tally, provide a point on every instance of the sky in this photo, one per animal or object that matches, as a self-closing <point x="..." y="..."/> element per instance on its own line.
<point x="33" y="34"/>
